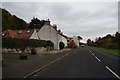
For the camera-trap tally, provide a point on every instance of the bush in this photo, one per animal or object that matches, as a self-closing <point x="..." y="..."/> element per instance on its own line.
<point x="23" y="43"/>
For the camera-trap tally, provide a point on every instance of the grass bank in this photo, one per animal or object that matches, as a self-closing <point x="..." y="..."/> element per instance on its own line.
<point x="112" y="51"/>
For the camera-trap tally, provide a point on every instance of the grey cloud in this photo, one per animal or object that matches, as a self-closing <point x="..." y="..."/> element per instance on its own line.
<point x="87" y="19"/>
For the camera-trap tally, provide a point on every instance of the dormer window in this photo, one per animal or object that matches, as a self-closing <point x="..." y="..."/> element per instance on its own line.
<point x="20" y="32"/>
<point x="28" y="31"/>
<point x="3" y="34"/>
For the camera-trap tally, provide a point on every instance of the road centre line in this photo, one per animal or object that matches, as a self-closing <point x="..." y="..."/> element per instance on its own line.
<point x="34" y="72"/>
<point x="97" y="58"/>
<point x="93" y="54"/>
<point x="89" y="50"/>
<point x="107" y="67"/>
<point x="113" y="72"/>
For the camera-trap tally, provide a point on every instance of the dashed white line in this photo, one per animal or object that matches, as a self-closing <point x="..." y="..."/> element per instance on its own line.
<point x="97" y="58"/>
<point x="106" y="67"/>
<point x="92" y="54"/>
<point x="89" y="50"/>
<point x="113" y="72"/>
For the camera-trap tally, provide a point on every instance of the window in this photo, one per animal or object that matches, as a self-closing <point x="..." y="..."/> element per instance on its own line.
<point x="28" y="31"/>
<point x="3" y="34"/>
<point x="20" y="32"/>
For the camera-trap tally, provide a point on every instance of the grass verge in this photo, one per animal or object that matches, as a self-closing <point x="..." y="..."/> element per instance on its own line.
<point x="112" y="51"/>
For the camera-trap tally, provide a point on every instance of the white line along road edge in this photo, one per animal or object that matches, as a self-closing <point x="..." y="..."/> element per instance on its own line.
<point x="32" y="73"/>
<point x="113" y="72"/>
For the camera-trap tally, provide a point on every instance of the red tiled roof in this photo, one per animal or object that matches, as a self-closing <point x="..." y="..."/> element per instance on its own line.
<point x="16" y="34"/>
<point x="69" y="38"/>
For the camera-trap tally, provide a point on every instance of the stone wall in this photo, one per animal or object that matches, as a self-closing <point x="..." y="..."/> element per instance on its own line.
<point x="27" y="50"/>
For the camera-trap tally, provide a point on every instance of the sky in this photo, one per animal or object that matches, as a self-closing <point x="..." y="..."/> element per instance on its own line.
<point x="85" y="19"/>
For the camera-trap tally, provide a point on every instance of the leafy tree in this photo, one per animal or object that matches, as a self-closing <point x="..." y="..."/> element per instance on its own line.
<point x="12" y="22"/>
<point x="109" y="41"/>
<point x="36" y="23"/>
<point x="89" y="41"/>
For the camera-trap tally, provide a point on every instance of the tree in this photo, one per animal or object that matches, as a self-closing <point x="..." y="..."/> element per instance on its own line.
<point x="12" y="22"/>
<point x="89" y="41"/>
<point x="36" y="23"/>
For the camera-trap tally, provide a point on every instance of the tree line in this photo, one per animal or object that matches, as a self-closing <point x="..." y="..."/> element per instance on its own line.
<point x="109" y="41"/>
<point x="15" y="23"/>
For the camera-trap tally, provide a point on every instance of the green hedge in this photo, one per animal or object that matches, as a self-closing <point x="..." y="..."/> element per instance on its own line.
<point x="23" y="43"/>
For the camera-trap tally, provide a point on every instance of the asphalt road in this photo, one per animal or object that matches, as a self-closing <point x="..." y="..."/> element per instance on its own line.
<point x="13" y="67"/>
<point x="83" y="62"/>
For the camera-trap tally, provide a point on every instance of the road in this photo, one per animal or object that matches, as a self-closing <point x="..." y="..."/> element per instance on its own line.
<point x="83" y="62"/>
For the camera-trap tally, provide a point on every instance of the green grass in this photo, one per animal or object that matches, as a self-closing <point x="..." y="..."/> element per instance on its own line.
<point x="112" y="51"/>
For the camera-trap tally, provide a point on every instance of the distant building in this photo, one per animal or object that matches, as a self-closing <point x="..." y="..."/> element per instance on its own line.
<point x="76" y="40"/>
<point x="73" y="41"/>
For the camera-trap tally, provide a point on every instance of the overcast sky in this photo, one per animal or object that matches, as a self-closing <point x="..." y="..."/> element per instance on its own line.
<point x="86" y="19"/>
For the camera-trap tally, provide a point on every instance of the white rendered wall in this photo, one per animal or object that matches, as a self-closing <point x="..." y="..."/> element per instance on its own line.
<point x="76" y="40"/>
<point x="48" y="33"/>
<point x="34" y="35"/>
<point x="62" y="39"/>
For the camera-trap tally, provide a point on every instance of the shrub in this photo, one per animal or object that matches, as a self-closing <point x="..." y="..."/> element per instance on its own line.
<point x="23" y="43"/>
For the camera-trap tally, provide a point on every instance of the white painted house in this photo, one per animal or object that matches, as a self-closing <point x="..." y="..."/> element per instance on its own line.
<point x="35" y="34"/>
<point x="49" y="32"/>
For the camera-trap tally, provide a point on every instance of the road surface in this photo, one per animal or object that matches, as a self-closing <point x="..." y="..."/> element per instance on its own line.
<point x="83" y="62"/>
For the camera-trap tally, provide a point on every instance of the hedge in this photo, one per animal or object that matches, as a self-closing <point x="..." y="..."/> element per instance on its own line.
<point x="23" y="43"/>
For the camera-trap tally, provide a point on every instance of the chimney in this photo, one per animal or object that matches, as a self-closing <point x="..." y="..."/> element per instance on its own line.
<point x="55" y="26"/>
<point x="59" y="31"/>
<point x="47" y="22"/>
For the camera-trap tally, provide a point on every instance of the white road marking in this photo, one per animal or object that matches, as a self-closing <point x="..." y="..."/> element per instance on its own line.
<point x="113" y="72"/>
<point x="32" y="73"/>
<point x="107" y="67"/>
<point x="97" y="58"/>
<point x="89" y="50"/>
<point x="93" y="54"/>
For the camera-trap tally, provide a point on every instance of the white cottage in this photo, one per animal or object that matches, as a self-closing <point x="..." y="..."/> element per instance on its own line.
<point x="61" y="38"/>
<point x="34" y="35"/>
<point x="49" y="32"/>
